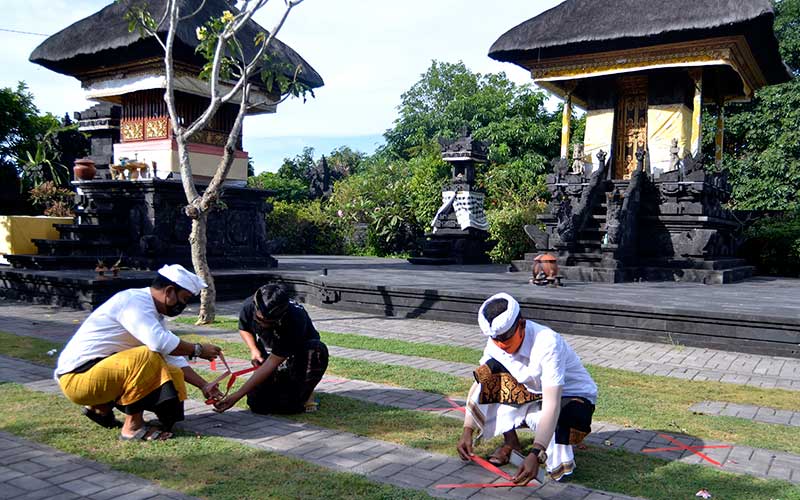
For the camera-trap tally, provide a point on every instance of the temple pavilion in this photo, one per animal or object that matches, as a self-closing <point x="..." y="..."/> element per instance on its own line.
<point x="138" y="221"/>
<point x="643" y="73"/>
<point x="126" y="68"/>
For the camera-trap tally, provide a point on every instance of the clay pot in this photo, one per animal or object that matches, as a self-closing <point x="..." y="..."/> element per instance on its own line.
<point x="84" y="169"/>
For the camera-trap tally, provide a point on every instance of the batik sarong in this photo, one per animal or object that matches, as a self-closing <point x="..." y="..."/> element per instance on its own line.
<point x="498" y="403"/>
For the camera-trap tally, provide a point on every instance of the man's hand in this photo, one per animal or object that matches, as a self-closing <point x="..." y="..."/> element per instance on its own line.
<point x="256" y="358"/>
<point x="211" y="391"/>
<point x="528" y="470"/>
<point x="465" y="444"/>
<point x="210" y="351"/>
<point x="225" y="404"/>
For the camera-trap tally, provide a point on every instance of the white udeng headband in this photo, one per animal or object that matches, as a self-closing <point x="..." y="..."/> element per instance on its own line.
<point x="502" y="323"/>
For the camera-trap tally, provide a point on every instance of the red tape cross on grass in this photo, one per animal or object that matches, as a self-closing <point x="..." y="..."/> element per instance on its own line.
<point x="491" y="468"/>
<point x="682" y="447"/>
<point x="227" y="372"/>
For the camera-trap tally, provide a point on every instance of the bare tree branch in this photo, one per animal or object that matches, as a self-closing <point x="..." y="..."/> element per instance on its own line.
<point x="185" y="18"/>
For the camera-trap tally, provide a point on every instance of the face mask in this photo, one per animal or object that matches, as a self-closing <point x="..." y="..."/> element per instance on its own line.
<point x="176" y="308"/>
<point x="512" y="344"/>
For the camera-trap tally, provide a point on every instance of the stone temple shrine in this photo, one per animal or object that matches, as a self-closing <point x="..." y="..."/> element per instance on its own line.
<point x="637" y="197"/>
<point x="137" y="217"/>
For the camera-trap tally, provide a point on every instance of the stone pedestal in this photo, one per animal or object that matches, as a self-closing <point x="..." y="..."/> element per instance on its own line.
<point x="460" y="232"/>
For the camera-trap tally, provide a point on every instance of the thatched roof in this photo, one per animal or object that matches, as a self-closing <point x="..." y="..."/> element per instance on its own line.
<point x="587" y="26"/>
<point x="103" y="40"/>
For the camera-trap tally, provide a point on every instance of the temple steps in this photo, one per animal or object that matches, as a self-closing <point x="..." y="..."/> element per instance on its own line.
<point x="65" y="248"/>
<point x="79" y="231"/>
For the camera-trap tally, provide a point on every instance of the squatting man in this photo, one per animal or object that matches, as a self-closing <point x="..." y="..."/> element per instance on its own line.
<point x="530" y="376"/>
<point x="124" y="356"/>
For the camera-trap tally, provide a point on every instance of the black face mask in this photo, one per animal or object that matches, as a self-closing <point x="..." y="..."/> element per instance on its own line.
<point x="176" y="308"/>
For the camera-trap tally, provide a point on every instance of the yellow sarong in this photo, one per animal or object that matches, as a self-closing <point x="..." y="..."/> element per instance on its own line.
<point x="123" y="378"/>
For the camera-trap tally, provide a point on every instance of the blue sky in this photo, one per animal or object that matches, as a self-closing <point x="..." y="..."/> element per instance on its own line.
<point x="368" y="52"/>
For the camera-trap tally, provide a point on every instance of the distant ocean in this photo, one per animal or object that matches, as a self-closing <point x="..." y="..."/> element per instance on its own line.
<point x="268" y="152"/>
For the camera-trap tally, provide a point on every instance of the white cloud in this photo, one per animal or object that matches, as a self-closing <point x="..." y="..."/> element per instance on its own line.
<point x="368" y="51"/>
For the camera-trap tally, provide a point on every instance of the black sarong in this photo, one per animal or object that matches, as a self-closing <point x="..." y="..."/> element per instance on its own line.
<point x="287" y="390"/>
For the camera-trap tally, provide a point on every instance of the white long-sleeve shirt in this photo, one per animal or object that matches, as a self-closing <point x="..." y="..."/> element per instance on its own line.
<point x="128" y="319"/>
<point x="545" y="360"/>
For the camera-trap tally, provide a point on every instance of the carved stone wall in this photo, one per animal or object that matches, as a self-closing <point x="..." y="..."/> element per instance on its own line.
<point x="151" y="211"/>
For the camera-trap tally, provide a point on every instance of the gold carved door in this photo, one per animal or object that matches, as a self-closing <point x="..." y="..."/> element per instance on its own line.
<point x="631" y="124"/>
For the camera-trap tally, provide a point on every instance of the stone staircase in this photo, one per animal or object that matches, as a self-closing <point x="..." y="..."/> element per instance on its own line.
<point x="97" y="234"/>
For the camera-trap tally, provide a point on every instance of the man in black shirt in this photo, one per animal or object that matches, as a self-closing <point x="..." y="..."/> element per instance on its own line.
<point x="287" y="349"/>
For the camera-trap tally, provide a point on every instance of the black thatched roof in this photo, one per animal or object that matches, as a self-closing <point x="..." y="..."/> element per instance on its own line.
<point x="103" y="39"/>
<point x="586" y="26"/>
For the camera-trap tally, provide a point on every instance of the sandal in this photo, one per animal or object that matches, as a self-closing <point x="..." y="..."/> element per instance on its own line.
<point x="501" y="455"/>
<point x="147" y="433"/>
<point x="106" y="420"/>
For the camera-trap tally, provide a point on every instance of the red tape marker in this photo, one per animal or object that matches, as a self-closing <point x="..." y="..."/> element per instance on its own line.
<point x="491" y="468"/>
<point x="453" y="406"/>
<point x="483" y="485"/>
<point x="681" y="447"/>
<point x="232" y="380"/>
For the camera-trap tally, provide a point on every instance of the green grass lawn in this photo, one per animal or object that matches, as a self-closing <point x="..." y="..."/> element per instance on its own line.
<point x="203" y="466"/>
<point x="216" y="468"/>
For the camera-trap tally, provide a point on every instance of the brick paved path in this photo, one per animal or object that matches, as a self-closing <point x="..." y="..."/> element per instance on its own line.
<point x="749" y="412"/>
<point x="377" y="460"/>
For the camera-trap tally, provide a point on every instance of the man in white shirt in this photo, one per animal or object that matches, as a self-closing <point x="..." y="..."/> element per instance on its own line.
<point x="123" y="355"/>
<point x="528" y="375"/>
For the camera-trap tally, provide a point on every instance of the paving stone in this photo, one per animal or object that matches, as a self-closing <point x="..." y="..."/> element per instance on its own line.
<point x="28" y="483"/>
<point x="10" y="491"/>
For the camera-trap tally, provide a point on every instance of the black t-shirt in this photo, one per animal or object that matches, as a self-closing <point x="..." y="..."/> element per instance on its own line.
<point x="288" y="337"/>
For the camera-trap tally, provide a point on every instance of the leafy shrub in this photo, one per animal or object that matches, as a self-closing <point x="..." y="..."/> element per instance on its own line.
<point x="304" y="228"/>
<point x="773" y="245"/>
<point x="506" y="228"/>
<point x="380" y="197"/>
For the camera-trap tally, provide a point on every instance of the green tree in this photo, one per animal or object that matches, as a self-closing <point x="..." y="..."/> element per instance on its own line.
<point x="299" y="167"/>
<point x="449" y="97"/>
<point x="21" y="126"/>
<point x="762" y="147"/>
<point x="345" y="161"/>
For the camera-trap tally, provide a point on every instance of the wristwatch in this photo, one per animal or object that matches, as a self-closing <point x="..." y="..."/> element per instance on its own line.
<point x="541" y="455"/>
<point x="198" y="349"/>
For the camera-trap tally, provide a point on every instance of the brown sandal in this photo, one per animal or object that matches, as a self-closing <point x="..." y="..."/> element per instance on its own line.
<point x="501" y="455"/>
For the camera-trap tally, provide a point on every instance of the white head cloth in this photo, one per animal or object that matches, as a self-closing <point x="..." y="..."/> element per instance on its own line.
<point x="502" y="323"/>
<point x="178" y="274"/>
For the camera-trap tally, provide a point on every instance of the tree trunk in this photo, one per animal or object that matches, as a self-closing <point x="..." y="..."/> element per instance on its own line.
<point x="199" y="240"/>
